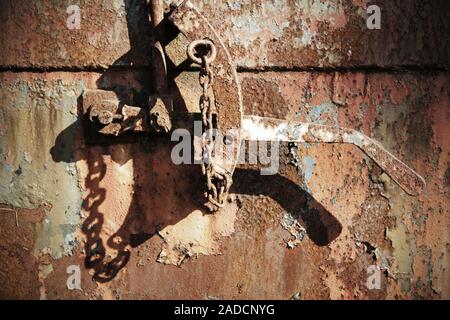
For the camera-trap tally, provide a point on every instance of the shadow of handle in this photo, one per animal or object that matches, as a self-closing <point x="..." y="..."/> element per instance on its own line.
<point x="321" y="226"/>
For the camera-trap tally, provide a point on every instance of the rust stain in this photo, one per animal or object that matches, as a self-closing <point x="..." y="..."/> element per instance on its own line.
<point x="257" y="33"/>
<point x="119" y="210"/>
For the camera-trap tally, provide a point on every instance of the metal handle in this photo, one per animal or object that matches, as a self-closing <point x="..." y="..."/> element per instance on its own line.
<point x="269" y="129"/>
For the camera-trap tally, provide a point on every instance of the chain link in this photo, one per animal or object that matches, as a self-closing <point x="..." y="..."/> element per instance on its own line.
<point x="218" y="180"/>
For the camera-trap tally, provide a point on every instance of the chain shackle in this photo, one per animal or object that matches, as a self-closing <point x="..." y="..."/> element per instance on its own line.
<point x="194" y="47"/>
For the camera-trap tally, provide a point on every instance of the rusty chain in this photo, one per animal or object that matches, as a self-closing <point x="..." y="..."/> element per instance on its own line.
<point x="218" y="180"/>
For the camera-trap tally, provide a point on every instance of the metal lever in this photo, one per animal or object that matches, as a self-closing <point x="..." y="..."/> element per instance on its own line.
<point x="269" y="129"/>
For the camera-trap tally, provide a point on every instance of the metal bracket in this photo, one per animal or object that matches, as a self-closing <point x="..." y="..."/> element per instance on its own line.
<point x="108" y="116"/>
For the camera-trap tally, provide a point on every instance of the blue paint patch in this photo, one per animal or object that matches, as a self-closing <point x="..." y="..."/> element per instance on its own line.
<point x="308" y="164"/>
<point x="8" y="168"/>
<point x="319" y="114"/>
<point x="24" y="90"/>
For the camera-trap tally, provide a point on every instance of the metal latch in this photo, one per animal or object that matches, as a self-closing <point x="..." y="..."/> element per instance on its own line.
<point x="111" y="118"/>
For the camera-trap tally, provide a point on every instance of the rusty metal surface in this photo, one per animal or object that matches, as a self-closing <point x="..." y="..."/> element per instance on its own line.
<point x="353" y="215"/>
<point x="312" y="33"/>
<point x="129" y="217"/>
<point x="258" y="33"/>
<point x="35" y="34"/>
<point x="159" y="115"/>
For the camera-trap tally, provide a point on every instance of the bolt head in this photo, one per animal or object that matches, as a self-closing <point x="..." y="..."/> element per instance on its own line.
<point x="105" y="117"/>
<point x="228" y="139"/>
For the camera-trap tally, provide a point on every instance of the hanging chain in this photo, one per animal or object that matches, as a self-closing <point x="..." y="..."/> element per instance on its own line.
<point x="218" y="180"/>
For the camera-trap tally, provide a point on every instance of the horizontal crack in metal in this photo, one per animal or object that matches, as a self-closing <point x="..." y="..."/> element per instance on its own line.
<point x="99" y="69"/>
<point x="348" y="69"/>
<point x="241" y="69"/>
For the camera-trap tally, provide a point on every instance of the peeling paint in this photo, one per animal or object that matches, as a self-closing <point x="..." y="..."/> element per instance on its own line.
<point x="296" y="230"/>
<point x="308" y="163"/>
<point x="196" y="234"/>
<point x="34" y="112"/>
<point x="306" y="33"/>
<point x="126" y="215"/>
